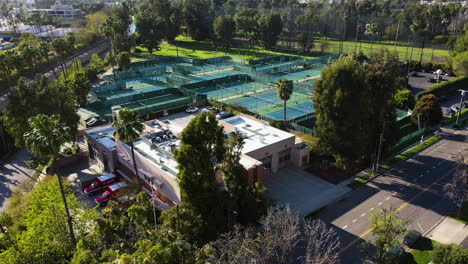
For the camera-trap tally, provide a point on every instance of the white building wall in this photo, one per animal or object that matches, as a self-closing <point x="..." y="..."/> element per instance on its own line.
<point x="165" y="183"/>
<point x="272" y="150"/>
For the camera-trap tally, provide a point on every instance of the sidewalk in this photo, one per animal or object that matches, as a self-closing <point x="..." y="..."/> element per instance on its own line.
<point x="449" y="231"/>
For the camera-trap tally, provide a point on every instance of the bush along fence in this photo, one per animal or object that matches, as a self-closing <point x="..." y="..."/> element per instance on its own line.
<point x="445" y="88"/>
<point x="453" y="118"/>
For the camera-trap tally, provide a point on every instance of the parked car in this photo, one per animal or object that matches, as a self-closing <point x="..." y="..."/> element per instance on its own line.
<point x="95" y="121"/>
<point x="397" y="251"/>
<point x="223" y="115"/>
<point x="411" y="237"/>
<point x="211" y="109"/>
<point x="455" y="109"/>
<point x="191" y="109"/>
<point x="113" y="192"/>
<point x="101" y="183"/>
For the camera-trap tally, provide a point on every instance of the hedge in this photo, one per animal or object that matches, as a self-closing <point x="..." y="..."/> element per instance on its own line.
<point x="446" y="87"/>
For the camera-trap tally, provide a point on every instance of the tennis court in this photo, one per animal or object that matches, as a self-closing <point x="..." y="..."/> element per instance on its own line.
<point x="158" y="85"/>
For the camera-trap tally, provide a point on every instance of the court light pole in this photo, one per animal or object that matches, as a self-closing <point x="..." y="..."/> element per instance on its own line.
<point x="463" y="92"/>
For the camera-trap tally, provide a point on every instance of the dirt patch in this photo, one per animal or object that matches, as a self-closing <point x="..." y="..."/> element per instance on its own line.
<point x="332" y="173"/>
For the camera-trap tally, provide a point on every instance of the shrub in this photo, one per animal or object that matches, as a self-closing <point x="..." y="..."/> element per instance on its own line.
<point x="278" y="124"/>
<point x="428" y="110"/>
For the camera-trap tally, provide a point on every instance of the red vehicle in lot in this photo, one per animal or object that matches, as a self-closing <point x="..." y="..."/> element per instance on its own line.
<point x="101" y="183"/>
<point x="112" y="192"/>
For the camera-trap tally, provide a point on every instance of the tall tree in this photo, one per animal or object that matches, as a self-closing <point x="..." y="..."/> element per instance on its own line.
<point x="247" y="24"/>
<point x="270" y="27"/>
<point x="45" y="139"/>
<point x="224" y="27"/>
<point x="338" y="97"/>
<point x="427" y="111"/>
<point x="285" y="89"/>
<point x="150" y="27"/>
<point x="202" y="150"/>
<point x="197" y="18"/>
<point x="128" y="128"/>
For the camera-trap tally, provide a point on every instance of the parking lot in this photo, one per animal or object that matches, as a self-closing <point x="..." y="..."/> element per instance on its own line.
<point x="420" y="83"/>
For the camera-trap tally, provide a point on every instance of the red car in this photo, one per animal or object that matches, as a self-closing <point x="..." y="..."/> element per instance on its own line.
<point x="112" y="192"/>
<point x="101" y="183"/>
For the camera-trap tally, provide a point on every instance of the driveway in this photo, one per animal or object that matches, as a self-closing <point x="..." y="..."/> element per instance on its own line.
<point x="304" y="192"/>
<point x="12" y="173"/>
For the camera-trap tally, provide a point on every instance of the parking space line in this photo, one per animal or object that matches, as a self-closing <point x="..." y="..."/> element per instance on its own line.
<point x="354" y="220"/>
<point x="387" y="198"/>
<point x="402" y="188"/>
<point x="380" y="203"/>
<point x="344" y="227"/>
<point x="363" y="214"/>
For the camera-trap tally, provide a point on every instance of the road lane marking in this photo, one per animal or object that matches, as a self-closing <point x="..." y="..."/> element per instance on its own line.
<point x="428" y="171"/>
<point x="386" y="199"/>
<point x="415" y="179"/>
<point x="439" y="163"/>
<point x="402" y="188"/>
<point x="363" y="214"/>
<point x="421" y="175"/>
<point x="433" y="167"/>
<point x="380" y="203"/>
<point x="422" y="230"/>
<point x="361" y="236"/>
<point x="344" y="227"/>
<point x="354" y="220"/>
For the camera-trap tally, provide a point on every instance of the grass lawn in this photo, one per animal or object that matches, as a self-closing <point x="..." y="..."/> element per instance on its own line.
<point x="463" y="214"/>
<point x="421" y="254"/>
<point x="440" y="55"/>
<point x="206" y="49"/>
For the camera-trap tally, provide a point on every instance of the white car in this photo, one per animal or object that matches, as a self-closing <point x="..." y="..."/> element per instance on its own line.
<point x="191" y="110"/>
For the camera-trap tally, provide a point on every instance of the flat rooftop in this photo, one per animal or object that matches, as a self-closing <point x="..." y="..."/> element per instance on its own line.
<point x="257" y="135"/>
<point x="104" y="135"/>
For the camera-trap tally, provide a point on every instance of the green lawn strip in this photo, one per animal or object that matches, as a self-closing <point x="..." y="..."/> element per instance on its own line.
<point x="388" y="165"/>
<point x="207" y="49"/>
<point x="421" y="253"/>
<point x="463" y="214"/>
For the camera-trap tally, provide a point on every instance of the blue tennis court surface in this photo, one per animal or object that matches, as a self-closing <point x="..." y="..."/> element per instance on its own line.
<point x="292" y="112"/>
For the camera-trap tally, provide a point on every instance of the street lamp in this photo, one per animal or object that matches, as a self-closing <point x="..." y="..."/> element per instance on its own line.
<point x="438" y="72"/>
<point x="463" y="92"/>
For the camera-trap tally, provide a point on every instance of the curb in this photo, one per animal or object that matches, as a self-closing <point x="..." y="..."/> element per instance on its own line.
<point x="353" y="190"/>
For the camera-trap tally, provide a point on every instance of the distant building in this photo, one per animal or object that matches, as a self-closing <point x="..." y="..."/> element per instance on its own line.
<point x="462" y="3"/>
<point x="66" y="15"/>
<point x="266" y="150"/>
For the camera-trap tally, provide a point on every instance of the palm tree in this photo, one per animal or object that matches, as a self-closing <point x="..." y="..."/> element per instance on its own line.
<point x="128" y="126"/>
<point x="285" y="90"/>
<point x="107" y="30"/>
<point x="5" y="66"/>
<point x="61" y="48"/>
<point x="45" y="139"/>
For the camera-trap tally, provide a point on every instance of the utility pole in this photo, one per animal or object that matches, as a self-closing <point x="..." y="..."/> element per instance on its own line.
<point x="461" y="104"/>
<point x="381" y="139"/>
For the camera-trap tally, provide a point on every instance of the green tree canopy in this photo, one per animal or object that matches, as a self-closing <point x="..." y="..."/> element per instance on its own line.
<point x="270" y="27"/>
<point x="404" y="99"/>
<point x="428" y="110"/>
<point x="448" y="254"/>
<point x="224" y="27"/>
<point x="460" y="63"/>
<point x="149" y="27"/>
<point x="338" y="98"/>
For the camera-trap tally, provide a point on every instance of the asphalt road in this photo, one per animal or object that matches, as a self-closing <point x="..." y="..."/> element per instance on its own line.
<point x="413" y="187"/>
<point x="12" y="173"/>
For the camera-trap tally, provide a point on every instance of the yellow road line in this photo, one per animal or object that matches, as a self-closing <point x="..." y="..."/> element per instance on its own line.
<point x="397" y="210"/>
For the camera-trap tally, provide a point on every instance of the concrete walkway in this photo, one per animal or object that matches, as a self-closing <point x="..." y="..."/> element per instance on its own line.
<point x="304" y="192"/>
<point x="13" y="171"/>
<point x="449" y="231"/>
